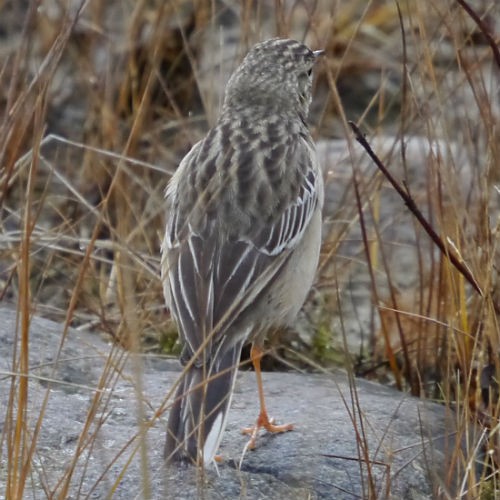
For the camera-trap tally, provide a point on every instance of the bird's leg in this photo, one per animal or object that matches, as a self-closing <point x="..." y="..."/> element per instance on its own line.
<point x="263" y="419"/>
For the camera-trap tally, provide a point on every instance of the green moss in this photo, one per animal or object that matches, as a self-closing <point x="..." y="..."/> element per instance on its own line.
<point x="169" y="342"/>
<point x="487" y="490"/>
<point x="322" y="348"/>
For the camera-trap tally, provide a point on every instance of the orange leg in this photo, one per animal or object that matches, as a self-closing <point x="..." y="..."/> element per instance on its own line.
<point x="263" y="419"/>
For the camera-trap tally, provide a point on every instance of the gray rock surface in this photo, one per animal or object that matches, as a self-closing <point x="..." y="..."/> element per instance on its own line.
<point x="404" y="438"/>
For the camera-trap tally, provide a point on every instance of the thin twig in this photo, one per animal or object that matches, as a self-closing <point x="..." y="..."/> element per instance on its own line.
<point x="412" y="206"/>
<point x="483" y="29"/>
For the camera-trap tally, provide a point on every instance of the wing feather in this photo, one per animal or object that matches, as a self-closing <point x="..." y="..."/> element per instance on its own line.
<point x="210" y="280"/>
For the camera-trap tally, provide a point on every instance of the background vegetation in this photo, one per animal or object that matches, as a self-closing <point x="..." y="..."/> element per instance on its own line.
<point x="100" y="100"/>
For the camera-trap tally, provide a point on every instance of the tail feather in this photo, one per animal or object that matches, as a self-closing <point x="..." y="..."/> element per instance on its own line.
<point x="198" y="416"/>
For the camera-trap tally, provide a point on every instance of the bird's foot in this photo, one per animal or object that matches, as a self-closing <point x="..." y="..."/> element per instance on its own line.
<point x="264" y="422"/>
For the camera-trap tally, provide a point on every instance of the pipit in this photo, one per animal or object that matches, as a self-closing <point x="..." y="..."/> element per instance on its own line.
<point x="242" y="239"/>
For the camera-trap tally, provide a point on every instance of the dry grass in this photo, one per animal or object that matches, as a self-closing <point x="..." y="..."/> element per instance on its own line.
<point x="98" y="105"/>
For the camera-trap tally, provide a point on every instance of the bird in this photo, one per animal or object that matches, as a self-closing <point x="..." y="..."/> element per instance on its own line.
<point x="242" y="239"/>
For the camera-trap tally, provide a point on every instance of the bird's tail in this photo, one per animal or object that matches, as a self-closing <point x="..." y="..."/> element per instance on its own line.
<point x="198" y="416"/>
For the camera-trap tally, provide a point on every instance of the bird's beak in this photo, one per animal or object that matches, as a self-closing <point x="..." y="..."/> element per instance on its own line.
<point x="318" y="53"/>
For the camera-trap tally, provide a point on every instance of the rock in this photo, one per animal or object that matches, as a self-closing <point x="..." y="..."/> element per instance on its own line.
<point x="403" y="438"/>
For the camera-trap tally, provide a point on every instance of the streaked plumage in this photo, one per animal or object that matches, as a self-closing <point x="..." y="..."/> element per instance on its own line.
<point x="243" y="235"/>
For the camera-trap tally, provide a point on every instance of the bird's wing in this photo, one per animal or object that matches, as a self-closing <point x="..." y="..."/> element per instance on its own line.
<point x="210" y="280"/>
